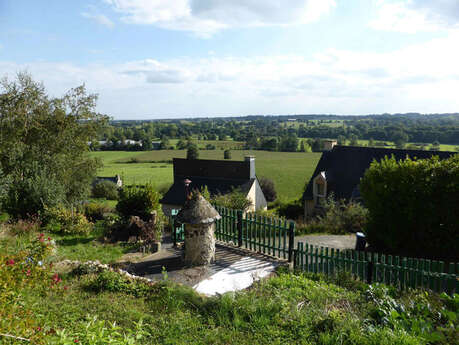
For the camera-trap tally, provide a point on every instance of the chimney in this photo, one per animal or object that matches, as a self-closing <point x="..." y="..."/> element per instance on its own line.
<point x="251" y="162"/>
<point x="187" y="182"/>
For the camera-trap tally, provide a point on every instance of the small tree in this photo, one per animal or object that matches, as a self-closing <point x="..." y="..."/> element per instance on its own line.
<point x="192" y="151"/>
<point x="227" y="154"/>
<point x="268" y="188"/>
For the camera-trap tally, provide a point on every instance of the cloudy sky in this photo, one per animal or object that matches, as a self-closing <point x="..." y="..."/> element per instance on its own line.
<point x="179" y="58"/>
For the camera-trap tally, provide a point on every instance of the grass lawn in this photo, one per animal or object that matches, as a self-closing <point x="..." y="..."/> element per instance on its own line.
<point x="289" y="170"/>
<point x="105" y="308"/>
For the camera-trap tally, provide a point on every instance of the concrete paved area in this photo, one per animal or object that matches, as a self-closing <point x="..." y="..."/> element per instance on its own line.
<point x="233" y="269"/>
<point x="331" y="241"/>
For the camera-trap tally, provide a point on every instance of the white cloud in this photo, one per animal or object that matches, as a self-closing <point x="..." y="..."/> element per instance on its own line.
<point x="205" y="17"/>
<point x="99" y="18"/>
<point x="422" y="77"/>
<point x="412" y="16"/>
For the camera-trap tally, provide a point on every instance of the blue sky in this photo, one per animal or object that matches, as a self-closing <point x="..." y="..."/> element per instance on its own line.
<point x="163" y="58"/>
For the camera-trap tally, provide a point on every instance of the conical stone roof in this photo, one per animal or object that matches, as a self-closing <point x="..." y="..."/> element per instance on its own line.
<point x="197" y="210"/>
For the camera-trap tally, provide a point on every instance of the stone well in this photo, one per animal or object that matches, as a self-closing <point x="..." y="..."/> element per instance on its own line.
<point x="199" y="218"/>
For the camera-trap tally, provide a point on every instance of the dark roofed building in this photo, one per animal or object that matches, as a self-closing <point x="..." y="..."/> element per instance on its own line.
<point x="339" y="171"/>
<point x="220" y="177"/>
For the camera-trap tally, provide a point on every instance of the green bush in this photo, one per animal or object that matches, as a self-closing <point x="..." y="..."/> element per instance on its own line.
<point x="343" y="217"/>
<point x="235" y="200"/>
<point x="413" y="206"/>
<point x="138" y="201"/>
<point x="290" y="210"/>
<point x="32" y="195"/>
<point x="65" y="221"/>
<point x="95" y="211"/>
<point x="105" y="189"/>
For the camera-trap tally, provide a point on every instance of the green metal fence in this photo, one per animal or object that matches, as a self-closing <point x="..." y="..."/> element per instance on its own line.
<point x="398" y="271"/>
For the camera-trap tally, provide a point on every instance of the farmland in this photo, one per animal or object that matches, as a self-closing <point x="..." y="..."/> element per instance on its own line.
<point x="289" y="170"/>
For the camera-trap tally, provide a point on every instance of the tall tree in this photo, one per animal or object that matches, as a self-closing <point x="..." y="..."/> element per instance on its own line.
<point x="44" y="143"/>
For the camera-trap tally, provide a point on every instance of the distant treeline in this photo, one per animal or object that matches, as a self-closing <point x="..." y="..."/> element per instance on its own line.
<point x="255" y="130"/>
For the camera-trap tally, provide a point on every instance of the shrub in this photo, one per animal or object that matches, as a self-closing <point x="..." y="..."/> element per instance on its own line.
<point x="138" y="201"/>
<point x="343" y="217"/>
<point x="95" y="211"/>
<point x="268" y="188"/>
<point x="65" y="221"/>
<point x="32" y="195"/>
<point x="24" y="226"/>
<point x="235" y="200"/>
<point x="290" y="210"/>
<point x="105" y="189"/>
<point x="413" y="206"/>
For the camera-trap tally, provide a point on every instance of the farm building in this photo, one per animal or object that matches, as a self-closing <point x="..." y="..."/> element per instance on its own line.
<point x="339" y="172"/>
<point x="220" y="177"/>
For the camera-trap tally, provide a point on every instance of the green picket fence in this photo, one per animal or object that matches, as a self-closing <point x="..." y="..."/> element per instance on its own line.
<point x="177" y="229"/>
<point x="270" y="236"/>
<point x="398" y="271"/>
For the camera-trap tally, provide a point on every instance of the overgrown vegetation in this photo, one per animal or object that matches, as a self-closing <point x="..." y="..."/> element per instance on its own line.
<point x="413" y="206"/>
<point x="99" y="308"/>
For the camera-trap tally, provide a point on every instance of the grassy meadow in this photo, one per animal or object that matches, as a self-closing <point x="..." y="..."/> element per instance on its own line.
<point x="289" y="170"/>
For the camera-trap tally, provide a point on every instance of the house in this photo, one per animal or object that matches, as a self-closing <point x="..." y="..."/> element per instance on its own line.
<point x="339" y="172"/>
<point x="220" y="177"/>
<point x="116" y="180"/>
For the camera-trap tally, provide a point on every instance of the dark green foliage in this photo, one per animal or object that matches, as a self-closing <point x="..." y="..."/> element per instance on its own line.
<point x="46" y="138"/>
<point x="192" y="151"/>
<point x="105" y="189"/>
<point x="227" y="154"/>
<point x="31" y="195"/>
<point x="289" y="143"/>
<point x="268" y="188"/>
<point x="138" y="201"/>
<point x="290" y="210"/>
<point x="413" y="206"/>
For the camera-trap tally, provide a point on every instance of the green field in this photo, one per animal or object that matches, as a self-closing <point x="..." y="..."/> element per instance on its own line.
<point x="289" y="170"/>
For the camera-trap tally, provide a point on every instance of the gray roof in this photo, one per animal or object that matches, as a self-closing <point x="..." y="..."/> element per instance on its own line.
<point x="345" y="166"/>
<point x="197" y="210"/>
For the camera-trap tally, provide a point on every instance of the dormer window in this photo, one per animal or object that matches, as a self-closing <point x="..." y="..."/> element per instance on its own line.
<point x="320" y="188"/>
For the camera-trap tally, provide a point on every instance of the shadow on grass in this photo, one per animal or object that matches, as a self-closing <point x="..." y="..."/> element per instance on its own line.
<point x="74" y="241"/>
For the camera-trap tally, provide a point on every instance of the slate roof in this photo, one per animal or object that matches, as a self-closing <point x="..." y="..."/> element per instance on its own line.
<point x="346" y="165"/>
<point x="220" y="177"/>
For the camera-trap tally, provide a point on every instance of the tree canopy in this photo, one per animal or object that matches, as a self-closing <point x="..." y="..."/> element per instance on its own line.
<point x="44" y="144"/>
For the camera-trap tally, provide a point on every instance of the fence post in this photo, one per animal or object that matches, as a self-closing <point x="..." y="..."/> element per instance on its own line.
<point x="291" y="240"/>
<point x="239" y="228"/>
